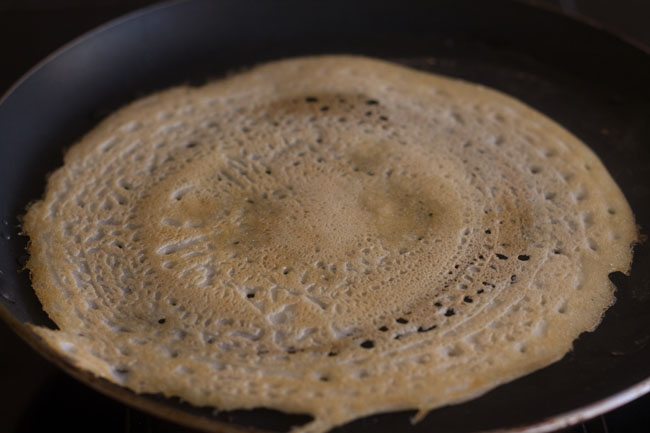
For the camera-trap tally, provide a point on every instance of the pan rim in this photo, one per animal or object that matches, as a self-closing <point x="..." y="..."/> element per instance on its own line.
<point x="129" y="16"/>
<point x="178" y="415"/>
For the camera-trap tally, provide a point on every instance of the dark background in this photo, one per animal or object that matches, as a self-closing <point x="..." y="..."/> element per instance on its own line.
<point x="35" y="396"/>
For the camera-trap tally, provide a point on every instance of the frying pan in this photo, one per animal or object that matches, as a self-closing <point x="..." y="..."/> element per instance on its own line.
<point x="593" y="83"/>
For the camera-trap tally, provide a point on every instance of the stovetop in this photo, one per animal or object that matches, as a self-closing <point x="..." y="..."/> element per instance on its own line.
<point x="34" y="395"/>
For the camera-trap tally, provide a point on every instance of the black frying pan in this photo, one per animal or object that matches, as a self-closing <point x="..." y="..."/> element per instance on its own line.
<point x="591" y="82"/>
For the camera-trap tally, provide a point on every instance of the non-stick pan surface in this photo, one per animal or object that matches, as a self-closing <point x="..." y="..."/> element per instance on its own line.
<point x="589" y="81"/>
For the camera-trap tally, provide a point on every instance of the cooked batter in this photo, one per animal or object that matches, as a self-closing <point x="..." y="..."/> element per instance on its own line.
<point x="336" y="235"/>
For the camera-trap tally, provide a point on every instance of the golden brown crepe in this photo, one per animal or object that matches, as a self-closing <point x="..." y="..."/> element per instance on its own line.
<point x="338" y="236"/>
